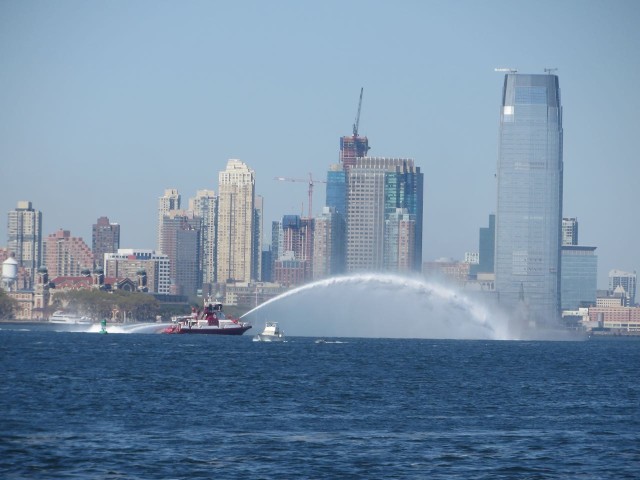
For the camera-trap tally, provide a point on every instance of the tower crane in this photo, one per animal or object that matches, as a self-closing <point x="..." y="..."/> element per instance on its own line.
<point x="311" y="183"/>
<point x="356" y="123"/>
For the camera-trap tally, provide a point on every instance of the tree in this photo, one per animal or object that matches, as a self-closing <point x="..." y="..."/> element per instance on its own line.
<point x="7" y="306"/>
<point x="98" y="304"/>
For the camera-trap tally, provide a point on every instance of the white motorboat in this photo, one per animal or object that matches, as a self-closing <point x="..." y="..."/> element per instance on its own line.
<point x="69" y="318"/>
<point x="271" y="333"/>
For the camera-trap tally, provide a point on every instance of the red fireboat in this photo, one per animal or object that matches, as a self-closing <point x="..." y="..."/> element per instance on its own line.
<point x="211" y="320"/>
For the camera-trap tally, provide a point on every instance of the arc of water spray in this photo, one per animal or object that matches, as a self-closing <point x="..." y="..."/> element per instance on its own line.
<point x="478" y="314"/>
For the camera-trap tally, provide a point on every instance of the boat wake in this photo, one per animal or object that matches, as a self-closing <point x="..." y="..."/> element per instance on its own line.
<point x="129" y="328"/>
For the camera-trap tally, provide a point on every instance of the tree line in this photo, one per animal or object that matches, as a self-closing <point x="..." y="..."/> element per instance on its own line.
<point x="97" y="304"/>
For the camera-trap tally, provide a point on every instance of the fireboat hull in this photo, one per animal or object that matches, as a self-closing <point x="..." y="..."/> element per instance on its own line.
<point x="209" y="331"/>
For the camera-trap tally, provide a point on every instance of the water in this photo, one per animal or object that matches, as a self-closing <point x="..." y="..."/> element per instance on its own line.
<point x="374" y="305"/>
<point x="143" y="406"/>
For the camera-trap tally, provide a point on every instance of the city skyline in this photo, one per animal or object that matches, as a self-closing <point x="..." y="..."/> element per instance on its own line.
<point x="166" y="101"/>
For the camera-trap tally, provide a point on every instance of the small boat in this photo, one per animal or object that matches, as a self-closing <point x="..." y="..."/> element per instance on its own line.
<point x="211" y="320"/>
<point x="271" y="333"/>
<point x="69" y="318"/>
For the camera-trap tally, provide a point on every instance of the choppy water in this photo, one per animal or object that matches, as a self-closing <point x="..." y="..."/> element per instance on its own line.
<point x="83" y="405"/>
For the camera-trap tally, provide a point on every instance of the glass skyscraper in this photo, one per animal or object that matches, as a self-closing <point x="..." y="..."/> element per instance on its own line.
<point x="529" y="207"/>
<point x="579" y="276"/>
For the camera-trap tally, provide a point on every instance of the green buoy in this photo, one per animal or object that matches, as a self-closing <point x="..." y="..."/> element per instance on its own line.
<point x="103" y="324"/>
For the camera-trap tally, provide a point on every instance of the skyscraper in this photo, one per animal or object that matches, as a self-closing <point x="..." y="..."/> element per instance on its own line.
<point x="236" y="218"/>
<point x="25" y="237"/>
<point x="205" y="206"/>
<point x="105" y="238"/>
<point x="529" y="213"/>
<point x="169" y="202"/>
<point x="256" y="262"/>
<point x="376" y="187"/>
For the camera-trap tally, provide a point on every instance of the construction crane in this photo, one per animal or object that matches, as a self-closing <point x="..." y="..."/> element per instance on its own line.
<point x="311" y="183"/>
<point x="356" y="123"/>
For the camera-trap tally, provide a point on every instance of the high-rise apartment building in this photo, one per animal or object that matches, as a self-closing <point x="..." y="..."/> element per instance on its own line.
<point x="329" y="240"/>
<point x="66" y="256"/>
<point x="295" y="248"/>
<point x="399" y="241"/>
<point x="129" y="263"/>
<point x="569" y="231"/>
<point x="205" y="206"/>
<point x="167" y="203"/>
<point x="379" y="202"/>
<point x="376" y="187"/>
<point x="529" y="213"/>
<point x="626" y="280"/>
<point x="236" y="219"/>
<point x="182" y="243"/>
<point x="105" y="238"/>
<point x="258" y="221"/>
<point x="25" y="237"/>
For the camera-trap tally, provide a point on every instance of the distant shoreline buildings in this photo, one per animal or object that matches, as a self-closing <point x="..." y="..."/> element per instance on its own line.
<point x="528" y="257"/>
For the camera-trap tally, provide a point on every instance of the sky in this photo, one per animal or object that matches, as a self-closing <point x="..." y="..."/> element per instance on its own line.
<point x="104" y="105"/>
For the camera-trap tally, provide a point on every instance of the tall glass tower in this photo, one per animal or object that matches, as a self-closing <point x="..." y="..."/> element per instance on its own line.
<point x="529" y="213"/>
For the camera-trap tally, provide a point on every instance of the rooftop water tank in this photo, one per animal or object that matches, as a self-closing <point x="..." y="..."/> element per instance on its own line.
<point x="10" y="269"/>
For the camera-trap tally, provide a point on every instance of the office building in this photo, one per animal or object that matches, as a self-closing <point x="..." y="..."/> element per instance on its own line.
<point x="66" y="256"/>
<point x="627" y="281"/>
<point x="579" y="276"/>
<point x="105" y="238"/>
<point x="25" y="238"/>
<point x="236" y="219"/>
<point x="529" y="203"/>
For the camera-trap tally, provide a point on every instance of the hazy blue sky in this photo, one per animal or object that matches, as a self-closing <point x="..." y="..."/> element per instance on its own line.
<point x="103" y="105"/>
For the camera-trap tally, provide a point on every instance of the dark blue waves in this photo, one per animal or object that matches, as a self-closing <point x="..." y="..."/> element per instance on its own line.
<point x="79" y="405"/>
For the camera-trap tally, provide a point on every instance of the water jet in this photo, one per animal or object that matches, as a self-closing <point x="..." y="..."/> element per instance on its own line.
<point x="383" y="306"/>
